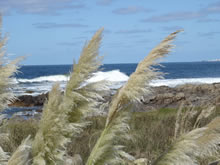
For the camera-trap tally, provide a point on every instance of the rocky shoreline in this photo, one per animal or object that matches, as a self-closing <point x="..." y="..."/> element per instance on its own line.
<point x="190" y="94"/>
<point x="29" y="100"/>
<point x="161" y="97"/>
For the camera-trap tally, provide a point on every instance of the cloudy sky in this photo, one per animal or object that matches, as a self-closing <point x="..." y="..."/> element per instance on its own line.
<point x="54" y="31"/>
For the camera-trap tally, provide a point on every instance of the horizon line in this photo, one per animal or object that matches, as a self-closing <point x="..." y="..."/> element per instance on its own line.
<point x="120" y="63"/>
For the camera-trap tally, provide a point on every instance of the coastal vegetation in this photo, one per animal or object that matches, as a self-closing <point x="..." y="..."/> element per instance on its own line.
<point x="74" y="130"/>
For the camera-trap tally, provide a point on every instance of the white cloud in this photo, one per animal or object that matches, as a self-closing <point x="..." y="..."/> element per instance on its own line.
<point x="50" y="7"/>
<point x="51" y="25"/>
<point x="213" y="8"/>
<point x="134" y="31"/>
<point x="176" y="16"/>
<point x="171" y="28"/>
<point x="131" y="10"/>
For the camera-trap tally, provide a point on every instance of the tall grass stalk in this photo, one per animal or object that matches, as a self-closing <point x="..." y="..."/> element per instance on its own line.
<point x="107" y="150"/>
<point x="22" y="155"/>
<point x="63" y="115"/>
<point x="3" y="157"/>
<point x="85" y="96"/>
<point x="198" y="143"/>
<point x="7" y="70"/>
<point x="49" y="143"/>
<point x="189" y="118"/>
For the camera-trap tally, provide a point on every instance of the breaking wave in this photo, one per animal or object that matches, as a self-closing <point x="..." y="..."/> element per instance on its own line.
<point x="43" y="84"/>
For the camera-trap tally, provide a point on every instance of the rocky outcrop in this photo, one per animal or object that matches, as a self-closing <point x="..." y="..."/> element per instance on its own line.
<point x="30" y="101"/>
<point x="197" y="95"/>
<point x="161" y="97"/>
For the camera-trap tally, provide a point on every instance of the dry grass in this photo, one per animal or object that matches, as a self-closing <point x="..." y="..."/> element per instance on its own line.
<point x="7" y="71"/>
<point x="189" y="118"/>
<point x="49" y="143"/>
<point x="194" y="145"/>
<point x="17" y="130"/>
<point x="63" y="114"/>
<point x="108" y="149"/>
<point x="3" y="157"/>
<point x="22" y="155"/>
<point x="153" y="131"/>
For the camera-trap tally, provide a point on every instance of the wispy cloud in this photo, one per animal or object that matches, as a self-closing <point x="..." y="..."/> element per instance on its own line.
<point x="209" y="34"/>
<point x="49" y="7"/>
<point x="104" y="2"/>
<point x="176" y="16"/>
<point x="213" y="8"/>
<point x="171" y="28"/>
<point x="51" y="25"/>
<point x="134" y="31"/>
<point x="206" y="20"/>
<point x="131" y="10"/>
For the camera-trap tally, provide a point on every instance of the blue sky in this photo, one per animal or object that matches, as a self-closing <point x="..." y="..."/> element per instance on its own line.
<point x="54" y="31"/>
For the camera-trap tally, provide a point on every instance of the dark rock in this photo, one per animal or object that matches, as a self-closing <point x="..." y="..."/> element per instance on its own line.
<point x="196" y="95"/>
<point x="30" y="101"/>
<point x="162" y="97"/>
<point x="29" y="91"/>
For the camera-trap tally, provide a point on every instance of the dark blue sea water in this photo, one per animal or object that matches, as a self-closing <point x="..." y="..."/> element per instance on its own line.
<point x="40" y="78"/>
<point x="174" y="70"/>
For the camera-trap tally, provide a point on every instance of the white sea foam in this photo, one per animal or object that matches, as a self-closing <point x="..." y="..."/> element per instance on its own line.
<point x="44" y="84"/>
<point x="176" y="82"/>
<point x="54" y="78"/>
<point x="113" y="76"/>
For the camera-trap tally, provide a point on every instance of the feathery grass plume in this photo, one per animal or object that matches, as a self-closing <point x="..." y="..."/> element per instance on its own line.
<point x="49" y="143"/>
<point x="141" y="161"/>
<point x="210" y="142"/>
<point x="190" y="118"/>
<point x="88" y="63"/>
<point x="75" y="160"/>
<point x="54" y="129"/>
<point x="178" y="121"/>
<point x="3" y="157"/>
<point x="198" y="143"/>
<point x="138" y="83"/>
<point x="5" y="142"/>
<point x="7" y="70"/>
<point x="204" y="114"/>
<point x="106" y="150"/>
<point x="184" y="119"/>
<point x="22" y="156"/>
<point x="84" y="96"/>
<point x="2" y="117"/>
<point x="184" y="151"/>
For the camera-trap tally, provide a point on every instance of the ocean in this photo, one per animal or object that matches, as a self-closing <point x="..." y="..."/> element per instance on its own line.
<point x="37" y="79"/>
